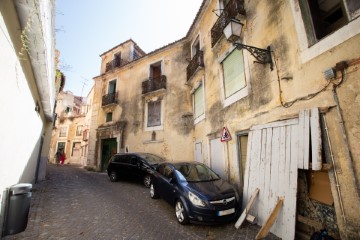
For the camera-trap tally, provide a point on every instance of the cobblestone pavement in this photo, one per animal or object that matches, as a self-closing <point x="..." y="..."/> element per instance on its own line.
<point x="77" y="204"/>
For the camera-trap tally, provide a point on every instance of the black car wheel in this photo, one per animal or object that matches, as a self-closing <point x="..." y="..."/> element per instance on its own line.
<point x="147" y="181"/>
<point x="113" y="176"/>
<point x="153" y="193"/>
<point x="180" y="212"/>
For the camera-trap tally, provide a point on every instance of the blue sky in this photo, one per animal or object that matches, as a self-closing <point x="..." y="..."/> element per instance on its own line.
<point x="87" y="28"/>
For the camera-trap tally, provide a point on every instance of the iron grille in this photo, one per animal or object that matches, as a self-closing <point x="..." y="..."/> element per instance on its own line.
<point x="196" y="62"/>
<point x="109" y="98"/>
<point x="153" y="84"/>
<point x="233" y="8"/>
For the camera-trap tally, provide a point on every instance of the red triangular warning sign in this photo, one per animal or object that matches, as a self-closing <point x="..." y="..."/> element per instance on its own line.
<point x="225" y="135"/>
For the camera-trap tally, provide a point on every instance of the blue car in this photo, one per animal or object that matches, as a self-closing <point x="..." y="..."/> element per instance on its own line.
<point x="198" y="194"/>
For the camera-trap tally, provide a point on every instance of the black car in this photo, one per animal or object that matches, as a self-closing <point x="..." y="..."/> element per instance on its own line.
<point x="198" y="193"/>
<point x="133" y="165"/>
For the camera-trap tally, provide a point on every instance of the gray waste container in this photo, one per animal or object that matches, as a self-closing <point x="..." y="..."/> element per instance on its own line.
<point x="18" y="208"/>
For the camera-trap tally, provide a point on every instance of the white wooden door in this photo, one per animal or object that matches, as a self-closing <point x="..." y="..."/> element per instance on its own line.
<point x="198" y="152"/>
<point x="275" y="153"/>
<point x="217" y="157"/>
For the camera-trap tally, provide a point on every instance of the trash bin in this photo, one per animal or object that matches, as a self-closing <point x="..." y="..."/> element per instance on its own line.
<point x="18" y="208"/>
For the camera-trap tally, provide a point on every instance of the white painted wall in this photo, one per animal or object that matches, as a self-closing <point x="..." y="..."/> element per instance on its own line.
<point x="21" y="127"/>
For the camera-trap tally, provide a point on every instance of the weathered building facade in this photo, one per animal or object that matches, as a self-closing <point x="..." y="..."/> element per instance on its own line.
<point x="69" y="133"/>
<point x="288" y="127"/>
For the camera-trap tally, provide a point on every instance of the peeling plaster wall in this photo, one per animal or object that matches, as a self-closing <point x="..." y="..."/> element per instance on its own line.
<point x="131" y="102"/>
<point x="298" y="79"/>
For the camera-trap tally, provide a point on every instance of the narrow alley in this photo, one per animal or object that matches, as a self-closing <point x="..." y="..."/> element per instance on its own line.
<point x="73" y="203"/>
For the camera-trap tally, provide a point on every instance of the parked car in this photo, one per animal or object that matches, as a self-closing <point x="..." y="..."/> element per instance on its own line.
<point x="133" y="165"/>
<point x="197" y="193"/>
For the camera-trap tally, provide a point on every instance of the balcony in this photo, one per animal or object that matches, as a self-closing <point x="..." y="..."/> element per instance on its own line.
<point x="153" y="84"/>
<point x="110" y="98"/>
<point x="196" y="62"/>
<point x="117" y="62"/>
<point x="232" y="9"/>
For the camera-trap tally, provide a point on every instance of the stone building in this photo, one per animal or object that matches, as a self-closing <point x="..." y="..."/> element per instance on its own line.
<point x="69" y="126"/>
<point x="273" y="106"/>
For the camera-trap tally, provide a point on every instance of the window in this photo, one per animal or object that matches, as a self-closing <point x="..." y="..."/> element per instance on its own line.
<point x="68" y="109"/>
<point x="154" y="114"/>
<point x="63" y="132"/>
<point x="79" y="130"/>
<point x="234" y="73"/>
<point x="322" y="17"/>
<point x="112" y="87"/>
<point x="109" y="117"/>
<point x="198" y="98"/>
<point x="195" y="48"/>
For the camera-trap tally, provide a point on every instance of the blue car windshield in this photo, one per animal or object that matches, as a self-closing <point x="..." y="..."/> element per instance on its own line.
<point x="151" y="158"/>
<point x="195" y="173"/>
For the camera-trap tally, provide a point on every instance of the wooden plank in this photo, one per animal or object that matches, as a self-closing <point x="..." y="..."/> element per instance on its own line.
<point x="274" y="184"/>
<point x="312" y="223"/>
<point x="293" y="121"/>
<point x="246" y="194"/>
<point x="255" y="162"/>
<point x="300" y="149"/>
<point x="292" y="190"/>
<point x="283" y="183"/>
<point x="270" y="221"/>
<point x="306" y="139"/>
<point x="243" y="215"/>
<point x="288" y="205"/>
<point x="315" y="140"/>
<point x="250" y="218"/>
<point x="266" y="192"/>
<point x="261" y="171"/>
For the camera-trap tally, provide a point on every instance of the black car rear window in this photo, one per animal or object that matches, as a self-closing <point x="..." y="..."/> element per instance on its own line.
<point x="151" y="159"/>
<point x="196" y="172"/>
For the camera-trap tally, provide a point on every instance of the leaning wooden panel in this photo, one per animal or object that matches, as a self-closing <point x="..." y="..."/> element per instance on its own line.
<point x="241" y="219"/>
<point x="270" y="221"/>
<point x="265" y="147"/>
<point x="315" y="140"/>
<point x="254" y="167"/>
<point x="246" y="194"/>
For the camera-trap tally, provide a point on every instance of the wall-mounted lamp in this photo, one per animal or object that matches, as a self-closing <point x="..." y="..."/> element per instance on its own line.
<point x="232" y="33"/>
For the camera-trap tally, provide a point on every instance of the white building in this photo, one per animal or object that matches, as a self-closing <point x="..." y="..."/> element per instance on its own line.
<point x="27" y="92"/>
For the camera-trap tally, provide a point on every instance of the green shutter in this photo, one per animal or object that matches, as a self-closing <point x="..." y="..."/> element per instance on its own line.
<point x="199" y="101"/>
<point x="234" y="74"/>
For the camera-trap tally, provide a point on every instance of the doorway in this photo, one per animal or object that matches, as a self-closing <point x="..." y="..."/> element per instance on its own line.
<point x="108" y="148"/>
<point x="217" y="157"/>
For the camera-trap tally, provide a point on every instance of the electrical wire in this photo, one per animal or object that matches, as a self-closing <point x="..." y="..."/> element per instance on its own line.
<point x="307" y="97"/>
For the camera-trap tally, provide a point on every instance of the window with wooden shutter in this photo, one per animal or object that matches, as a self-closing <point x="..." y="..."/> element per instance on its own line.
<point x="199" y="101"/>
<point x="234" y="73"/>
<point x="154" y="113"/>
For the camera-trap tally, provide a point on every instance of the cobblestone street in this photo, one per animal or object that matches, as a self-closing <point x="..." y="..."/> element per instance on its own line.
<point x="77" y="204"/>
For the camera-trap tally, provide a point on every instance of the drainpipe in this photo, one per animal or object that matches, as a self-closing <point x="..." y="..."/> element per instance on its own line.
<point x="341" y="66"/>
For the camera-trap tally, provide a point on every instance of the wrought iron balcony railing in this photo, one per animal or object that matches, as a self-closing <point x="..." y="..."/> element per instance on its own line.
<point x="196" y="62"/>
<point x="117" y="62"/>
<point x="109" y="99"/>
<point x="153" y="84"/>
<point x="233" y="8"/>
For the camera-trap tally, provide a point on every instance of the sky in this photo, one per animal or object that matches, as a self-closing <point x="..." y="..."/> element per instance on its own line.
<point x="87" y="28"/>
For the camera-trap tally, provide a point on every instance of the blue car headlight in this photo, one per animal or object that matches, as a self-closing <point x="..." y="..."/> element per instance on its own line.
<point x="196" y="200"/>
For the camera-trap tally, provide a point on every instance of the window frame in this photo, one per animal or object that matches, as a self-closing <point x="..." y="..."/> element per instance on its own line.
<point x="77" y="130"/>
<point x="198" y="85"/>
<point x="332" y="40"/>
<point x="162" y="112"/>
<point x="66" y="131"/>
<point x="244" y="92"/>
<point x="106" y="117"/>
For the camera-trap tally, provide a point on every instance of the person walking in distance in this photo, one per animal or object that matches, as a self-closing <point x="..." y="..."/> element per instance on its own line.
<point x="62" y="157"/>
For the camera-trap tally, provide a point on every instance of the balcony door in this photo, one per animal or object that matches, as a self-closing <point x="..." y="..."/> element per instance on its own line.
<point x="155" y="71"/>
<point x="112" y="87"/>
